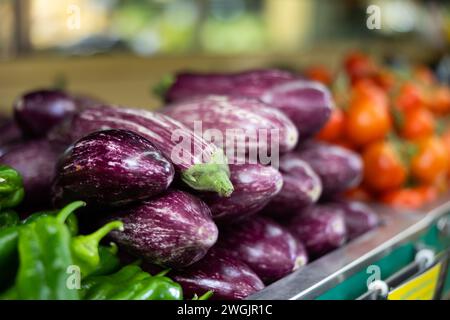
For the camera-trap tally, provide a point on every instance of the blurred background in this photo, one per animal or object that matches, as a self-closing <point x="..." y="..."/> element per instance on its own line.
<point x="117" y="50"/>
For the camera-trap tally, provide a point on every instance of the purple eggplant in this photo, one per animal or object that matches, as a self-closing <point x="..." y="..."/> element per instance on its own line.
<point x="229" y="278"/>
<point x="172" y="230"/>
<point x="251" y="83"/>
<point x="338" y="168"/>
<point x="320" y="228"/>
<point x="10" y="134"/>
<point x="268" y="248"/>
<point x="302" y="257"/>
<point x="301" y="188"/>
<point x="112" y="167"/>
<point x="201" y="165"/>
<point x="307" y="103"/>
<point x="256" y="123"/>
<point x="254" y="186"/>
<point x="35" y="160"/>
<point x="359" y="217"/>
<point x="38" y="111"/>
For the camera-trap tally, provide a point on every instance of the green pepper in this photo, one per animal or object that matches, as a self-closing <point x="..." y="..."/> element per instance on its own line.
<point x="109" y="261"/>
<point x="8" y="218"/>
<point x="45" y="256"/>
<point x="131" y="283"/>
<point x="85" y="248"/>
<point x="11" y="187"/>
<point x="8" y="255"/>
<point x="71" y="221"/>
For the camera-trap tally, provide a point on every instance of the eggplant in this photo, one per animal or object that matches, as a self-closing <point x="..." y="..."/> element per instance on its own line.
<point x="35" y="160"/>
<point x="338" y="168"/>
<point x="302" y="257"/>
<point x="254" y="121"/>
<point x="201" y="165"/>
<point x="10" y="134"/>
<point x="254" y="186"/>
<point x="320" y="228"/>
<point x="359" y="217"/>
<point x="173" y="230"/>
<point x="301" y="188"/>
<point x="38" y="111"/>
<point x="251" y="83"/>
<point x="112" y="167"/>
<point x="307" y="103"/>
<point x="229" y="278"/>
<point x="268" y="248"/>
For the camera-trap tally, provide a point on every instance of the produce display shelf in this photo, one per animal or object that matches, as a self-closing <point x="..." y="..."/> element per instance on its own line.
<point x="342" y="274"/>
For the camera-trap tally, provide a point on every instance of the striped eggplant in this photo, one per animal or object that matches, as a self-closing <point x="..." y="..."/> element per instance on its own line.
<point x="173" y="230"/>
<point x="338" y="168"/>
<point x="251" y="83"/>
<point x="268" y="248"/>
<point x="201" y="165"/>
<point x="252" y="119"/>
<point x="37" y="112"/>
<point x="321" y="228"/>
<point x="35" y="160"/>
<point x="112" y="167"/>
<point x="301" y="188"/>
<point x="307" y="103"/>
<point x="254" y="186"/>
<point x="359" y="217"/>
<point x="229" y="278"/>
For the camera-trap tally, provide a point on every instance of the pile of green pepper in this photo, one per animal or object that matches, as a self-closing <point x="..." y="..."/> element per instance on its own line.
<point x="44" y="258"/>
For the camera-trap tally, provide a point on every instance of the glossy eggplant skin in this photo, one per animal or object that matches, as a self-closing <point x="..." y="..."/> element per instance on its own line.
<point x="321" y="228"/>
<point x="39" y="111"/>
<point x="359" y="217"/>
<point x="254" y="120"/>
<point x="112" y="168"/>
<point x="254" y="186"/>
<point x="229" y="278"/>
<point x="173" y="230"/>
<point x="307" y="103"/>
<point x="339" y="169"/>
<point x="252" y="83"/>
<point x="302" y="187"/>
<point x="266" y="247"/>
<point x="35" y="160"/>
<point x="200" y="164"/>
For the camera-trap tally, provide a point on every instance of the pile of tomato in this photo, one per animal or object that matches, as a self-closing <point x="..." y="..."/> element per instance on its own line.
<point x="399" y="121"/>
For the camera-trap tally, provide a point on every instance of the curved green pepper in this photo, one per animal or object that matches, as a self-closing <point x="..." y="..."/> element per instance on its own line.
<point x="85" y="248"/>
<point x="131" y="283"/>
<point x="45" y="256"/>
<point x="11" y="187"/>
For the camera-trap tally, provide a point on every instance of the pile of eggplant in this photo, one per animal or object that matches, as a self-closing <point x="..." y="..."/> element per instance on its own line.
<point x="219" y="224"/>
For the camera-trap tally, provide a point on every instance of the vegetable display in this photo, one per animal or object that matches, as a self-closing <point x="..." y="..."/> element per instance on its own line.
<point x="155" y="208"/>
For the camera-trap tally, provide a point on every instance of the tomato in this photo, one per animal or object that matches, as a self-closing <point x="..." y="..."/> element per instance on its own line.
<point x="384" y="79"/>
<point x="410" y="96"/>
<point x="446" y="141"/>
<point x="383" y="168"/>
<point x="439" y="100"/>
<point x="319" y="73"/>
<point x="366" y="121"/>
<point x="359" y="193"/>
<point x="424" y="75"/>
<point x="333" y="129"/>
<point x="407" y="198"/>
<point x="431" y="161"/>
<point x="417" y="123"/>
<point x="359" y="65"/>
<point x="367" y="88"/>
